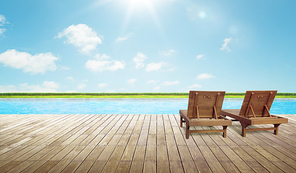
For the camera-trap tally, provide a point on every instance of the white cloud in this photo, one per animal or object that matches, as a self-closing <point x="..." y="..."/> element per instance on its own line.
<point x="205" y="76"/>
<point x="120" y="39"/>
<point x="2" y="30"/>
<point x="81" y="86"/>
<point x="132" y="81"/>
<point x="50" y="84"/>
<point x="102" y="85"/>
<point x="139" y="60"/>
<point x="225" y="45"/>
<point x="101" y="64"/>
<point x="46" y="86"/>
<point x="64" y="68"/>
<point x="82" y="37"/>
<point x="102" y="57"/>
<point x="2" y="20"/>
<point x="8" y="88"/>
<point x="157" y="88"/>
<point x="168" y="83"/>
<point x="70" y="78"/>
<point x="154" y="66"/>
<point x="39" y="63"/>
<point x="195" y="86"/>
<point x="151" y="82"/>
<point x="168" y="53"/>
<point x="200" y="56"/>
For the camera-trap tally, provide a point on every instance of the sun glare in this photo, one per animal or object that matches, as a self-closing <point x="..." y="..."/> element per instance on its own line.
<point x="141" y="6"/>
<point x="140" y="3"/>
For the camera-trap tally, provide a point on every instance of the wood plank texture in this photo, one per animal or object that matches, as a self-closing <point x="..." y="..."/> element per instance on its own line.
<point x="138" y="143"/>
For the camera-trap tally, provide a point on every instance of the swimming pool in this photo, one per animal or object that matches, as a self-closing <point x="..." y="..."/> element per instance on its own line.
<point x="120" y="106"/>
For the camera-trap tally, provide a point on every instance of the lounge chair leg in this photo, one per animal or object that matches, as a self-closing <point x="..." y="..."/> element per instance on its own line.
<point x="276" y="130"/>
<point x="224" y="131"/>
<point x="181" y="122"/>
<point x="187" y="131"/>
<point x="244" y="129"/>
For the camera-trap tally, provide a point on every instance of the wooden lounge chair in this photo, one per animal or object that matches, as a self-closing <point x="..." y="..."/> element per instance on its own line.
<point x="204" y="109"/>
<point x="255" y="110"/>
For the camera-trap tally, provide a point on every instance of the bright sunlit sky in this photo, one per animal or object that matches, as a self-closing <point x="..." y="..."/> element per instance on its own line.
<point x="147" y="45"/>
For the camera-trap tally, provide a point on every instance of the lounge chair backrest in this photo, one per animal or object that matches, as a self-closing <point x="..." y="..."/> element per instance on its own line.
<point x="257" y="104"/>
<point x="205" y="104"/>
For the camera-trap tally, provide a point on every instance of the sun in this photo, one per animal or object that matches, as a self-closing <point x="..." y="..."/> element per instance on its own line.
<point x="141" y="6"/>
<point x="140" y="3"/>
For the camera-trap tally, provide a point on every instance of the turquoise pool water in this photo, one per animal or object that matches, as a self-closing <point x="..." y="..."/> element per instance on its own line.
<point x="120" y="106"/>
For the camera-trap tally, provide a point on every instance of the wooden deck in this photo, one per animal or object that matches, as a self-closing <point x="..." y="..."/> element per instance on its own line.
<point x="138" y="143"/>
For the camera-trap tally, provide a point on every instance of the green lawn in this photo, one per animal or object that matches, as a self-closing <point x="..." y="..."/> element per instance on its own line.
<point x="122" y="95"/>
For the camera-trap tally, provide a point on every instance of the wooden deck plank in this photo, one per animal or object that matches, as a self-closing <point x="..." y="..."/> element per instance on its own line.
<point x="161" y="140"/>
<point x="132" y="140"/>
<point x="214" y="164"/>
<point x="220" y="155"/>
<point x="132" y="124"/>
<point x="30" y="153"/>
<point x="129" y="153"/>
<point x="71" y="167"/>
<point x="272" y="162"/>
<point x="263" y="161"/>
<point x="123" y="167"/>
<point x="143" y="136"/>
<point x="59" y="167"/>
<point x="68" y="157"/>
<point x="97" y="166"/>
<point x="84" y="153"/>
<point x="162" y="166"/>
<point x="137" y="166"/>
<point x="176" y="166"/>
<point x="276" y="157"/>
<point x="138" y="143"/>
<point x="149" y="167"/>
<point x="187" y="160"/>
<point x="20" y="167"/>
<point x="95" y="153"/>
<point x="167" y="125"/>
<point x="114" y="159"/>
<point x="9" y="166"/>
<point x="162" y="153"/>
<point x="150" y="153"/>
<point x="16" y="155"/>
<point x="248" y="159"/>
<point x="46" y="166"/>
<point x="198" y="159"/>
<point x="85" y="166"/>
<point x="236" y="160"/>
<point x="139" y="153"/>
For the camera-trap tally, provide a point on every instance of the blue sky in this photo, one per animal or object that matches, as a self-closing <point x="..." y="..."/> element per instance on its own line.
<point x="147" y="45"/>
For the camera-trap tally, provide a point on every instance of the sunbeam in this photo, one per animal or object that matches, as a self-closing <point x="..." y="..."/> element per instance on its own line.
<point x="140" y="6"/>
